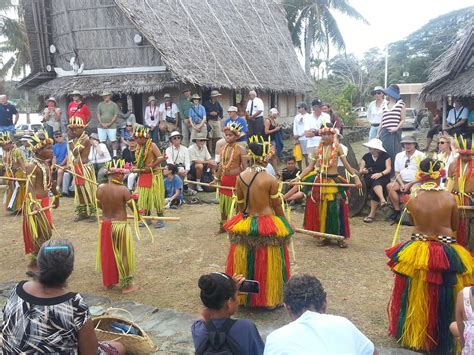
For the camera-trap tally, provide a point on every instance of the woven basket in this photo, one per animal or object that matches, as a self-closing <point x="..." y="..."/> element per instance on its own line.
<point x="135" y="344"/>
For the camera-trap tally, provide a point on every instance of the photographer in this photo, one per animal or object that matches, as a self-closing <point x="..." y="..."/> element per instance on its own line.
<point x="152" y="119"/>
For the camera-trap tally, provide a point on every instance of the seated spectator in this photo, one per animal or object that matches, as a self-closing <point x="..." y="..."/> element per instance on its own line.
<point x="25" y="147"/>
<point x="434" y="130"/>
<point x="219" y="296"/>
<point x="59" y="157"/>
<point x="290" y="172"/>
<point x="375" y="166"/>
<point x="128" y="155"/>
<point x="406" y="167"/>
<point x="446" y="153"/>
<point x="457" y="118"/>
<point x="312" y="331"/>
<point x="201" y="160"/>
<point x="173" y="186"/>
<point x="125" y="134"/>
<point x="177" y="154"/>
<point x="462" y="327"/>
<point x="99" y="155"/>
<point x="40" y="316"/>
<point x="234" y="117"/>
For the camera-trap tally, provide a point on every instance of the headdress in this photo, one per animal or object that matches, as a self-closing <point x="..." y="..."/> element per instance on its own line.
<point x="40" y="140"/>
<point x="141" y="132"/>
<point x="432" y="173"/>
<point x="267" y="147"/>
<point x="77" y="121"/>
<point x="465" y="147"/>
<point x="5" y="138"/>
<point x="235" y="128"/>
<point x="332" y="130"/>
<point x="117" y="166"/>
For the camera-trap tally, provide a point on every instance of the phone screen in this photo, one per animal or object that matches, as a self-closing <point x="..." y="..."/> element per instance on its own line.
<point x="250" y="286"/>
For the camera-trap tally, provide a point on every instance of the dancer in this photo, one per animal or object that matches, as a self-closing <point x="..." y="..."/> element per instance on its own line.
<point x="259" y="233"/>
<point x="150" y="185"/>
<point x="115" y="253"/>
<point x="430" y="268"/>
<point x="14" y="164"/>
<point x="37" y="220"/>
<point x="232" y="163"/>
<point x="85" y="185"/>
<point x="327" y="207"/>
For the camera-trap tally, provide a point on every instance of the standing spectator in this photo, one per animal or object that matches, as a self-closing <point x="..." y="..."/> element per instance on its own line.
<point x="152" y="119"/>
<point x="375" y="167"/>
<point x="128" y="155"/>
<point x="312" y="124"/>
<point x="393" y="116"/>
<point x="7" y="111"/>
<point x="184" y="106"/>
<point x="234" y="117"/>
<point x="254" y="111"/>
<point x="436" y="129"/>
<point x="197" y="117"/>
<point x="200" y="159"/>
<point x="298" y="130"/>
<point x="457" y="118"/>
<point x="123" y="118"/>
<point x="107" y="113"/>
<point x="214" y="113"/>
<point x="272" y="130"/>
<point x="219" y="295"/>
<point x="312" y="331"/>
<point x="375" y="110"/>
<point x="78" y="108"/>
<point x="169" y="115"/>
<point x="177" y="154"/>
<point x="173" y="187"/>
<point x="59" y="157"/>
<point x="51" y="117"/>
<point x="99" y="155"/>
<point x="335" y="120"/>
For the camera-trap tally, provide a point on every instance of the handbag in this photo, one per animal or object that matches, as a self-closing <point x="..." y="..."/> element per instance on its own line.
<point x="297" y="152"/>
<point x="170" y="119"/>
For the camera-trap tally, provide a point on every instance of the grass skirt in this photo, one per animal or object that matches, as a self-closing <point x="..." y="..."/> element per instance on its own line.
<point x="327" y="207"/>
<point x="225" y="195"/>
<point x="151" y="193"/>
<point x="85" y="191"/>
<point x="465" y="232"/>
<point x="115" y="253"/>
<point x="14" y="200"/>
<point x="258" y="251"/>
<point x="37" y="228"/>
<point x="428" y="276"/>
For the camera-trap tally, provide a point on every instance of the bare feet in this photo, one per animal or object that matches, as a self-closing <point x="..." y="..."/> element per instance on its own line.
<point x="221" y="229"/>
<point x="81" y="217"/>
<point x="130" y="289"/>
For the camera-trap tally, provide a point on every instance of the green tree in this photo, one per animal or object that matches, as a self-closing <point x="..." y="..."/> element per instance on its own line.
<point x="312" y="23"/>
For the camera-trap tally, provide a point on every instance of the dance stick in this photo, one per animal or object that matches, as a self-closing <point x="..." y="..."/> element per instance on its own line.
<point x="209" y="185"/>
<point x="317" y="184"/>
<point x="467" y="208"/>
<point x="153" y="218"/>
<point x="146" y="170"/>
<point x="319" y="234"/>
<point x="12" y="178"/>
<point x="75" y="174"/>
<point x="40" y="210"/>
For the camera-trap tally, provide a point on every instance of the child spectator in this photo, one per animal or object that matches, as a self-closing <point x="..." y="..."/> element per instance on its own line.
<point x="173" y="187"/>
<point x="463" y="327"/>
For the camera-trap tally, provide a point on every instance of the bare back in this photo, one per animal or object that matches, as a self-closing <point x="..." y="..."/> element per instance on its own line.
<point x="112" y="199"/>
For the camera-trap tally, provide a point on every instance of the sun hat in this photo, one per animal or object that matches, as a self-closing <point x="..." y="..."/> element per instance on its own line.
<point x="175" y="134"/>
<point x="392" y="91"/>
<point x="232" y="109"/>
<point x="377" y="88"/>
<point x="76" y="92"/>
<point x="408" y="139"/>
<point x="52" y="99"/>
<point x="106" y="93"/>
<point x="375" y="143"/>
<point x="215" y="93"/>
<point x="200" y="137"/>
<point x="195" y="97"/>
<point x="94" y="136"/>
<point x="26" y="138"/>
<point x="273" y="111"/>
<point x="151" y="98"/>
<point x="167" y="96"/>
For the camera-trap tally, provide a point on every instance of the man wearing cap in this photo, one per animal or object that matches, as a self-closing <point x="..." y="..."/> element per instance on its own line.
<point x="52" y="116"/>
<point x="178" y="155"/>
<point x="107" y="113"/>
<point x="406" y="167"/>
<point x="214" y="113"/>
<point x="375" y="110"/>
<point x="99" y="155"/>
<point x="254" y="111"/>
<point x="235" y="118"/>
<point x="169" y="115"/>
<point x="7" y="111"/>
<point x="200" y="159"/>
<point x="184" y="106"/>
<point x="312" y="124"/>
<point x="77" y="108"/>
<point x="197" y="117"/>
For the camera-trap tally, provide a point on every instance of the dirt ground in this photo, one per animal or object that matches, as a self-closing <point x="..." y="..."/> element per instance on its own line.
<point x="356" y="279"/>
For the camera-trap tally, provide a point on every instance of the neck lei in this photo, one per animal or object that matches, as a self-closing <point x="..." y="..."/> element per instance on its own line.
<point x="142" y="154"/>
<point x="226" y="160"/>
<point x="46" y="174"/>
<point x="324" y="161"/>
<point x="116" y="182"/>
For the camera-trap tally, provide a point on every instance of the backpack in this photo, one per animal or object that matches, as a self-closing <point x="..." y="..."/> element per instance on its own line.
<point x="218" y="342"/>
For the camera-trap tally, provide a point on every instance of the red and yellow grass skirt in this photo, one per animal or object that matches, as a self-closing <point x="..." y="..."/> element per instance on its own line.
<point x="259" y="252"/>
<point x="464" y="234"/>
<point x="225" y="195"/>
<point x="327" y="207"/>
<point x="428" y="275"/>
<point x="37" y="228"/>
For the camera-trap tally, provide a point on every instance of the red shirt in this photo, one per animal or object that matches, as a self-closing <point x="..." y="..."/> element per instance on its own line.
<point x="83" y="111"/>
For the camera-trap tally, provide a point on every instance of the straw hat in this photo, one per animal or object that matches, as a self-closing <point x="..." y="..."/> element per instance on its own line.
<point x="200" y="137"/>
<point x="375" y="143"/>
<point x="76" y="93"/>
<point x="175" y="134"/>
<point x="377" y="88"/>
<point x="409" y="140"/>
<point x="106" y="93"/>
<point x="215" y="93"/>
<point x="232" y="109"/>
<point x="195" y="97"/>
<point x="52" y="99"/>
<point x="167" y="96"/>
<point x="151" y="98"/>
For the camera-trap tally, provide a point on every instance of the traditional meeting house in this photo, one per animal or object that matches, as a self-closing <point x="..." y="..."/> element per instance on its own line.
<point x="138" y="48"/>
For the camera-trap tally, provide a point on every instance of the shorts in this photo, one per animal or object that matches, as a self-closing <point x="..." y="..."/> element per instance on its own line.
<point x="216" y="131"/>
<point x="105" y="133"/>
<point x="10" y="128"/>
<point x="304" y="149"/>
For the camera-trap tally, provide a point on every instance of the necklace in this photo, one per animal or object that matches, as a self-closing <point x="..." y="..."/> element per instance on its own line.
<point x="143" y="154"/>
<point x="226" y="161"/>
<point x="46" y="173"/>
<point x="116" y="182"/>
<point x="324" y="161"/>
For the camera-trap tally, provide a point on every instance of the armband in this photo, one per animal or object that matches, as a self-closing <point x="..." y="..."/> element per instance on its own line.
<point x="274" y="197"/>
<point x="240" y="201"/>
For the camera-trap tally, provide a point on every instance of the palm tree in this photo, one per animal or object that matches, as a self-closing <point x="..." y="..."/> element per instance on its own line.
<point x="12" y="28"/>
<point x="311" y="22"/>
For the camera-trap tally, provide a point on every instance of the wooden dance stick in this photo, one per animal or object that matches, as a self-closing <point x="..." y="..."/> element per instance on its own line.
<point x="319" y="234"/>
<point x="467" y="208"/>
<point x="75" y="174"/>
<point x="12" y="178"/>
<point x="209" y="185"/>
<point x="40" y="210"/>
<point x="317" y="184"/>
<point x="154" y="218"/>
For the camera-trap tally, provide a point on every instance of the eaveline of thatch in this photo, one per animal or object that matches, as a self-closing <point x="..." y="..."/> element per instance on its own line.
<point x="452" y="73"/>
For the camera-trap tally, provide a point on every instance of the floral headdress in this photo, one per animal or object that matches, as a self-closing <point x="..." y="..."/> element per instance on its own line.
<point x="40" y="140"/>
<point x="463" y="145"/>
<point x="325" y="129"/>
<point x="77" y="121"/>
<point x="235" y="128"/>
<point x="117" y="166"/>
<point x="141" y="132"/>
<point x="432" y="174"/>
<point x="267" y="147"/>
<point x="5" y="138"/>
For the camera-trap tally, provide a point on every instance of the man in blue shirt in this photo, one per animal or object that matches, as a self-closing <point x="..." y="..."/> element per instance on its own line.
<point x="59" y="156"/>
<point x="197" y="117"/>
<point x="234" y="117"/>
<point x="173" y="186"/>
<point x="7" y="111"/>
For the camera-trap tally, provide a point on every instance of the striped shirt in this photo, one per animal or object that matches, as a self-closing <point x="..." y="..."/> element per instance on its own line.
<point x="391" y="118"/>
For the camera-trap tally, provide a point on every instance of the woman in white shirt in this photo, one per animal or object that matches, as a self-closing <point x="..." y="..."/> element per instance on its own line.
<point x="375" y="111"/>
<point x="99" y="155"/>
<point x="152" y="119"/>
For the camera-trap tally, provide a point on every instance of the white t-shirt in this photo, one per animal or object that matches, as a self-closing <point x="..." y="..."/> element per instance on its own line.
<point x="408" y="174"/>
<point x="374" y="113"/>
<point x="298" y="125"/>
<point x="316" y="333"/>
<point x="313" y="122"/>
<point x="198" y="154"/>
<point x="270" y="170"/>
<point x="178" y="156"/>
<point x="457" y="115"/>
<point x="170" y="112"/>
<point x="99" y="154"/>
<point x="257" y="106"/>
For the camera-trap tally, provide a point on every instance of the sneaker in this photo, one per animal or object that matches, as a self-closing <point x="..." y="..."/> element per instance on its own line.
<point x="199" y="188"/>
<point x="159" y="224"/>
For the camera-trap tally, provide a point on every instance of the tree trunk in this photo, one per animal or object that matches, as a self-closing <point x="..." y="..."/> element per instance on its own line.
<point x="308" y="47"/>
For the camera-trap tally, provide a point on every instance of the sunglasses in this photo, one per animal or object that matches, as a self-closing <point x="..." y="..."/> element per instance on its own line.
<point x="173" y="138"/>
<point x="57" y="136"/>
<point x="442" y="142"/>
<point x="407" y="162"/>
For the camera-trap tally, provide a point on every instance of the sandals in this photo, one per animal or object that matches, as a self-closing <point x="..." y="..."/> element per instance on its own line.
<point x="384" y="205"/>
<point x="194" y="201"/>
<point x="368" y="219"/>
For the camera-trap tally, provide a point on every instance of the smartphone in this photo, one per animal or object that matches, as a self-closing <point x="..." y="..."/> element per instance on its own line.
<point x="250" y="286"/>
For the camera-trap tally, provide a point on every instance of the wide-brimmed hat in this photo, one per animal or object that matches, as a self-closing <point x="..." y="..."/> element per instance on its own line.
<point x="106" y="93"/>
<point x="76" y="92"/>
<point x="26" y="138"/>
<point x="375" y="143"/>
<point x="392" y="91"/>
<point x="232" y="109"/>
<point x="94" y="136"/>
<point x="377" y="88"/>
<point x="215" y="93"/>
<point x="167" y="96"/>
<point x="200" y="137"/>
<point x="151" y="98"/>
<point x="52" y="99"/>
<point x="175" y="134"/>
<point x="409" y="140"/>
<point x="195" y="97"/>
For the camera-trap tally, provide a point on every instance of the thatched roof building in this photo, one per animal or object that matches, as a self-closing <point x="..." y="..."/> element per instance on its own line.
<point x="452" y="74"/>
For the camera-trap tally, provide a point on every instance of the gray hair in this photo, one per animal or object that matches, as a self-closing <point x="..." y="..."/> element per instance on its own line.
<point x="55" y="262"/>
<point x="252" y="92"/>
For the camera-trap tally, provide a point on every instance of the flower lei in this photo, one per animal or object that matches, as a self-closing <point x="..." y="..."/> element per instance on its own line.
<point x="421" y="175"/>
<point x="142" y="154"/>
<point x="332" y="158"/>
<point x="226" y="163"/>
<point x="46" y="177"/>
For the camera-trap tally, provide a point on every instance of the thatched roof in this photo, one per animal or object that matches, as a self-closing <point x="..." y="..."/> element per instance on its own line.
<point x="452" y="72"/>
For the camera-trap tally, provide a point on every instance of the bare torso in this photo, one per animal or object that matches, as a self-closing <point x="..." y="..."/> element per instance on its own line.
<point x="232" y="156"/>
<point x="327" y="160"/>
<point x="40" y="179"/>
<point x="465" y="166"/>
<point x="81" y="148"/>
<point x="112" y="199"/>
